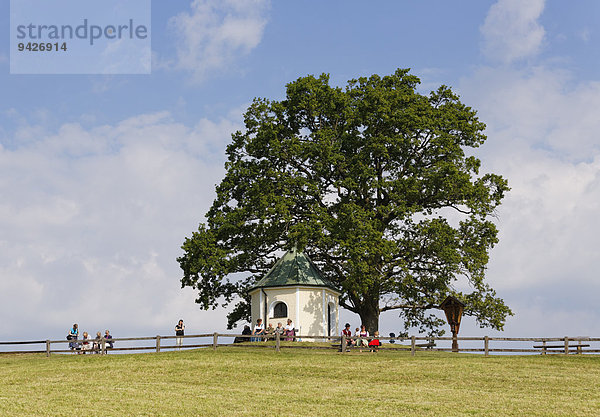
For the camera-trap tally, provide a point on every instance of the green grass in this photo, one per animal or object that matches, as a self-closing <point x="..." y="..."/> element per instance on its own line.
<point x="260" y="382"/>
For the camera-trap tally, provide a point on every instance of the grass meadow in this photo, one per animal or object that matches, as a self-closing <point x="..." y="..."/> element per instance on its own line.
<point x="246" y="381"/>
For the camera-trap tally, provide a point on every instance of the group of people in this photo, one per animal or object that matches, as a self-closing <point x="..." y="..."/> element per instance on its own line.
<point x="361" y="338"/>
<point x="87" y="344"/>
<point x="260" y="332"/>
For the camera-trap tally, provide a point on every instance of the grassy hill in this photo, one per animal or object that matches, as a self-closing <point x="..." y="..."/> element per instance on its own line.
<point x="260" y="382"/>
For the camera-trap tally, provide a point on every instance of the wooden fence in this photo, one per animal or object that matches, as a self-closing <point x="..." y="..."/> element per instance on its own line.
<point x="557" y="345"/>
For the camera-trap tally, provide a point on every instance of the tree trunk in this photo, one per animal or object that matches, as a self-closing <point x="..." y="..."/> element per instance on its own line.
<point x="369" y="316"/>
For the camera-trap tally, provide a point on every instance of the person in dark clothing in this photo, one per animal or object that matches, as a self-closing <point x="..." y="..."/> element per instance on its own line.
<point x="109" y="341"/>
<point x="245" y="332"/>
<point x="179" y="333"/>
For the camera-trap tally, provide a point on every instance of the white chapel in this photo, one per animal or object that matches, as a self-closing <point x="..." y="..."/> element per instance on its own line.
<point x="295" y="289"/>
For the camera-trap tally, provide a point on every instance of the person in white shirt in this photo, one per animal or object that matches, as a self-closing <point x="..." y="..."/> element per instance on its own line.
<point x="86" y="343"/>
<point x="259" y="329"/>
<point x="362" y="337"/>
<point x="290" y="332"/>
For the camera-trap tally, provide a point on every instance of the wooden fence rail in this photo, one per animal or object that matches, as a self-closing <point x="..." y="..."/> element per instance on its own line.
<point x="560" y="345"/>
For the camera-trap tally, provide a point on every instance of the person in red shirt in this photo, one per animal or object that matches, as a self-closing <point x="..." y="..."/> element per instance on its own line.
<point x="375" y="343"/>
<point x="347" y="333"/>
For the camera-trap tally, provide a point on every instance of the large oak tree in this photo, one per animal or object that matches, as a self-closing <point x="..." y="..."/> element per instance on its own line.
<point x="374" y="183"/>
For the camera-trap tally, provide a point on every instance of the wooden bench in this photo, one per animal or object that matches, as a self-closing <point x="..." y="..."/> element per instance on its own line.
<point x="571" y="349"/>
<point x="429" y="345"/>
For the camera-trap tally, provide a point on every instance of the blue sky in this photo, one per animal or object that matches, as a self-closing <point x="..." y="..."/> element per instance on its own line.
<point x="102" y="177"/>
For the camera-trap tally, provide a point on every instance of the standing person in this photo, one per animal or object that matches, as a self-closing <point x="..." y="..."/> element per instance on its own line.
<point x="72" y="336"/>
<point x="179" y="332"/>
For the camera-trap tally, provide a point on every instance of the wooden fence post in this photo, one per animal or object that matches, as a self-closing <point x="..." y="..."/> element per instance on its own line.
<point x="543" y="346"/>
<point x="550" y="345"/>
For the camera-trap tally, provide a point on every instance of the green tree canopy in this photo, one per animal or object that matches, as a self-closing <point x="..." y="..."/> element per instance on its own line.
<point x="373" y="183"/>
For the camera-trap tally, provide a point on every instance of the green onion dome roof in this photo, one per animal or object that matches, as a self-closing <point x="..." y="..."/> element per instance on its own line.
<point x="294" y="269"/>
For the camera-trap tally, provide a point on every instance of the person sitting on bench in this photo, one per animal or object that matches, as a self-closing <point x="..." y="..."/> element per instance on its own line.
<point x="86" y="344"/>
<point x="363" y="335"/>
<point x="259" y="329"/>
<point x="375" y="343"/>
<point x="109" y="341"/>
<point x="290" y="331"/>
<point x="347" y="333"/>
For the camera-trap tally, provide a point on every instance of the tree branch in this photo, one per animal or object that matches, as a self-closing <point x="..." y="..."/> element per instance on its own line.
<point x="348" y="307"/>
<point x="409" y="306"/>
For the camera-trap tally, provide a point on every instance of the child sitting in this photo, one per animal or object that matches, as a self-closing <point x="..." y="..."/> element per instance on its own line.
<point x="375" y="343"/>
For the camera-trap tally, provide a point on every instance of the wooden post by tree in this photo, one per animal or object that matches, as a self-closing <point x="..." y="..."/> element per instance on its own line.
<point x="157" y="344"/>
<point x="413" y="346"/>
<point x="486" y="346"/>
<point x="215" y="340"/>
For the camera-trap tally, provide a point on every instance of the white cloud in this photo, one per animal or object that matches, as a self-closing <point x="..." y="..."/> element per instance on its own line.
<point x="122" y="57"/>
<point x="538" y="107"/>
<point x="511" y="30"/>
<point x="585" y="34"/>
<point x="91" y="221"/>
<point x="217" y="32"/>
<point x="548" y="223"/>
<point x="544" y="140"/>
<point x="543" y="137"/>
